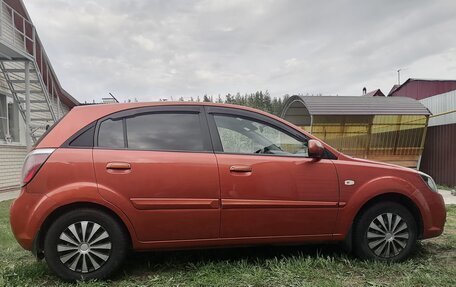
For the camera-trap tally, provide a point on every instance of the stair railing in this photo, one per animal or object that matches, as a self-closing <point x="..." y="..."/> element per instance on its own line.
<point x="20" y="33"/>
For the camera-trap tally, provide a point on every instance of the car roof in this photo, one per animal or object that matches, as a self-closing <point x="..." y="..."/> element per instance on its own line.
<point x="115" y="107"/>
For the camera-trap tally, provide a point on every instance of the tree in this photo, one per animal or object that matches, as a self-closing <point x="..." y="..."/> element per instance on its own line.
<point x="206" y="99"/>
<point x="258" y="100"/>
<point x="229" y="99"/>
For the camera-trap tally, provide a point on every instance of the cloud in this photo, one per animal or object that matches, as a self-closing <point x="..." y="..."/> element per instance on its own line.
<point x="161" y="49"/>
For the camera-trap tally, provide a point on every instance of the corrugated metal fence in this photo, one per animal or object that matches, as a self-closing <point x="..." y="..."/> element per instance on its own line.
<point x="439" y="156"/>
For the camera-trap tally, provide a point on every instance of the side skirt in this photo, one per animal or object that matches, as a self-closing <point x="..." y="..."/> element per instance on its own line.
<point x="231" y="242"/>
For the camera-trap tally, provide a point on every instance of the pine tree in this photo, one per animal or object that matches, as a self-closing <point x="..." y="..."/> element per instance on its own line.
<point x="229" y="99"/>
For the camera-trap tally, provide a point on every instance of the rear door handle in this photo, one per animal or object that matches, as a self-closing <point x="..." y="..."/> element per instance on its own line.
<point x="240" y="168"/>
<point x="118" y="166"/>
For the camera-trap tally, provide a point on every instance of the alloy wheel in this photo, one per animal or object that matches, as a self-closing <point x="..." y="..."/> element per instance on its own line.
<point x="84" y="246"/>
<point x="387" y="235"/>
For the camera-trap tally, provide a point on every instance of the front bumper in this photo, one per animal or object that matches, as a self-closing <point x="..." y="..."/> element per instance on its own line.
<point x="435" y="218"/>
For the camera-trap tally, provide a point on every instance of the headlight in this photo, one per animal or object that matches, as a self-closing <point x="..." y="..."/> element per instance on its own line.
<point x="429" y="181"/>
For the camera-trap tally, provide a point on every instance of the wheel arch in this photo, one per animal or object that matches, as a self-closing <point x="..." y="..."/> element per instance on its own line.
<point x="38" y="243"/>
<point x="398" y="198"/>
<point x="347" y="243"/>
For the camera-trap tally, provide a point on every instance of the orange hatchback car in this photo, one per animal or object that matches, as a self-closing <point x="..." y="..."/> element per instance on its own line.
<point x="146" y="176"/>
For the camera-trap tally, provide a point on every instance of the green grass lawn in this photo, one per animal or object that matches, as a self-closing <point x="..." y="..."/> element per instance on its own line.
<point x="433" y="264"/>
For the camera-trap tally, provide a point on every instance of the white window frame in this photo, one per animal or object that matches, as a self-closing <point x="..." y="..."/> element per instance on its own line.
<point x="5" y="139"/>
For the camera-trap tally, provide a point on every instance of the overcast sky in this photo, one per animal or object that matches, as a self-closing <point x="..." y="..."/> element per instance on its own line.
<point x="149" y="50"/>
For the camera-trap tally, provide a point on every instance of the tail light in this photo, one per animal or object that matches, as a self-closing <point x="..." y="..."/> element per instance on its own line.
<point x="33" y="163"/>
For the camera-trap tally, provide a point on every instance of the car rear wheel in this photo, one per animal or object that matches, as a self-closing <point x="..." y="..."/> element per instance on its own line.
<point x="85" y="244"/>
<point x="386" y="231"/>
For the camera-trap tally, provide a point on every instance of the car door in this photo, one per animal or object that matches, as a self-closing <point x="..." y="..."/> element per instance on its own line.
<point x="269" y="186"/>
<point x="158" y="166"/>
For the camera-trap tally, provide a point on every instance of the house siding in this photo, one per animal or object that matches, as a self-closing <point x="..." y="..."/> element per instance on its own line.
<point x="12" y="155"/>
<point x="11" y="165"/>
<point x="55" y="107"/>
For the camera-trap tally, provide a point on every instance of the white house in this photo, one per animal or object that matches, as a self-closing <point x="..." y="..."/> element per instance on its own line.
<point x="31" y="97"/>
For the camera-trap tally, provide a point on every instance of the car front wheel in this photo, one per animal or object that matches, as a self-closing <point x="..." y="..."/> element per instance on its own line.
<point x="386" y="231"/>
<point x="85" y="244"/>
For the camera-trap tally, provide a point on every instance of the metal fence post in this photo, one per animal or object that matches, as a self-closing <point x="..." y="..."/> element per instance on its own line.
<point x="423" y="140"/>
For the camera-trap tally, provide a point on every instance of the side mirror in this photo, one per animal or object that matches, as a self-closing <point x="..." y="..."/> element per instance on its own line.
<point x="316" y="149"/>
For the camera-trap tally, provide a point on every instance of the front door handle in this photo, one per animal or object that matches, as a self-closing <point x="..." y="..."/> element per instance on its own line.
<point x="240" y="168"/>
<point x="118" y="166"/>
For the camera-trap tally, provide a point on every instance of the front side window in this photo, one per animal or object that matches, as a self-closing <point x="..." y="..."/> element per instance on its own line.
<point x="241" y="135"/>
<point x="165" y="131"/>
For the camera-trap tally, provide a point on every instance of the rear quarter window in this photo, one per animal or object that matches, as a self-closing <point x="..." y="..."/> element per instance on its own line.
<point x="85" y="138"/>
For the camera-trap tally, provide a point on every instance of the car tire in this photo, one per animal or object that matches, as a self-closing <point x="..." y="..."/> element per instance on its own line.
<point x="85" y="244"/>
<point x="386" y="231"/>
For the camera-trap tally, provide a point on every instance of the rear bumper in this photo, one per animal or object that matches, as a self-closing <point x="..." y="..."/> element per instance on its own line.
<point x="25" y="219"/>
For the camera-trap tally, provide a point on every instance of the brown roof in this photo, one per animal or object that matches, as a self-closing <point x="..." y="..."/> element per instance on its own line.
<point x="375" y="93"/>
<point x="422" y="88"/>
<point x="393" y="89"/>
<point x="68" y="99"/>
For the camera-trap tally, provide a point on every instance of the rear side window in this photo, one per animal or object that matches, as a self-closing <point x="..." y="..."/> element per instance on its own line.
<point x="111" y="134"/>
<point x="165" y="131"/>
<point x="173" y="131"/>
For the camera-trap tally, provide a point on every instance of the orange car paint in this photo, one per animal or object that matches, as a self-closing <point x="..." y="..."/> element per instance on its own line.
<point x="196" y="199"/>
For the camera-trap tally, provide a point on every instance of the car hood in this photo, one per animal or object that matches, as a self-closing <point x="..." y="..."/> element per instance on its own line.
<point x="384" y="164"/>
